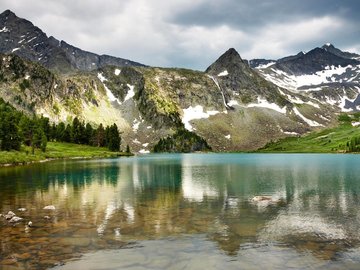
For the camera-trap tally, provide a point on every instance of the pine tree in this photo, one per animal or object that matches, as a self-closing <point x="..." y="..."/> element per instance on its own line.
<point x="60" y="132"/>
<point x="114" y="139"/>
<point x="9" y="134"/>
<point x="100" y="136"/>
<point x="88" y="134"/>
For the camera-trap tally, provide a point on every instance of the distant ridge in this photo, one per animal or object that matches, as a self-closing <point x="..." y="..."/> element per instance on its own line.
<point x="21" y="37"/>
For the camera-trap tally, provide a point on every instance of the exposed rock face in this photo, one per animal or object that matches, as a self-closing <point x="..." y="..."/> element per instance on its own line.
<point x="325" y="74"/>
<point x="313" y="61"/>
<point x="330" y="48"/>
<point x="235" y="77"/>
<point x="21" y="37"/>
<point x="260" y="62"/>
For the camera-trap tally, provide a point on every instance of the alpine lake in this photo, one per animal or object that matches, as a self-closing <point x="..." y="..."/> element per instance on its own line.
<point x="183" y="211"/>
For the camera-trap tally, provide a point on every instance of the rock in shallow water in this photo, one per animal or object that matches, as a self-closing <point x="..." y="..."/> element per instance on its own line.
<point x="10" y="215"/>
<point x="15" y="219"/>
<point x="49" y="207"/>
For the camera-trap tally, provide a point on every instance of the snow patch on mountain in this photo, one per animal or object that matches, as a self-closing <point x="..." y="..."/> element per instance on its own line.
<point x="131" y="93"/>
<point x="193" y="113"/>
<point x="224" y="73"/>
<point x="233" y="102"/>
<point x="265" y="65"/>
<point x="109" y="94"/>
<point x="330" y="74"/>
<point x="117" y="72"/>
<point x="287" y="132"/>
<point x="265" y="104"/>
<point x="4" y="29"/>
<point x="320" y="77"/>
<point x="306" y="120"/>
<point x="218" y="86"/>
<point x="136" y="124"/>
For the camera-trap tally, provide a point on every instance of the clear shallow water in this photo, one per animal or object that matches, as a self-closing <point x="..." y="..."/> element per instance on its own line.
<point x="190" y="211"/>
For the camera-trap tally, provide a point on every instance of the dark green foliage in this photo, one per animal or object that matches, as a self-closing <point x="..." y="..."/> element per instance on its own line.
<point x="67" y="134"/>
<point x="32" y="132"/>
<point x="344" y="118"/>
<point x="89" y="133"/>
<point x="24" y="85"/>
<point x="18" y="67"/>
<point x="113" y="138"/>
<point x="128" y="149"/>
<point x="39" y="139"/>
<point x="59" y="132"/>
<point x="17" y="128"/>
<point x="182" y="141"/>
<point x="9" y="135"/>
<point x="43" y="142"/>
<point x="354" y="144"/>
<point x="99" y="139"/>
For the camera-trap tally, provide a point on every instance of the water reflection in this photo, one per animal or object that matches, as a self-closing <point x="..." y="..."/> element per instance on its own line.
<point x="312" y="204"/>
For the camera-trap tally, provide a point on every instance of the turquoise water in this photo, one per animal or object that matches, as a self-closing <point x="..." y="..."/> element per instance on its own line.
<point x="189" y="211"/>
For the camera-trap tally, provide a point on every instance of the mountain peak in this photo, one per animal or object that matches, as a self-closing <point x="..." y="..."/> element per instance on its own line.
<point x="231" y="54"/>
<point x="231" y="59"/>
<point x="7" y="13"/>
<point x="328" y="46"/>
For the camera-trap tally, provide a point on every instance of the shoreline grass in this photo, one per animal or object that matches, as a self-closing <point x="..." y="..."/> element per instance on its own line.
<point x="56" y="150"/>
<point x="332" y="140"/>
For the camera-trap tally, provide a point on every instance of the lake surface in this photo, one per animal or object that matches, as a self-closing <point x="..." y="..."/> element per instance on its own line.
<point x="184" y="211"/>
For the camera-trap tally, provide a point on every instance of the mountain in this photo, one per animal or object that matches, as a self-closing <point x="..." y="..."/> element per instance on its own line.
<point x="330" y="48"/>
<point x="230" y="105"/>
<point x="21" y="37"/>
<point x="325" y="74"/>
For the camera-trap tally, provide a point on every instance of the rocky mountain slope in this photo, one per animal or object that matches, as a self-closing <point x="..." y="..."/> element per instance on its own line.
<point x="230" y="105"/>
<point x="326" y="74"/>
<point x="22" y="38"/>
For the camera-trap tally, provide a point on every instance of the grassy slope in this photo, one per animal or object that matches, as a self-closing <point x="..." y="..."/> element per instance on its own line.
<point x="56" y="150"/>
<point x="326" y="141"/>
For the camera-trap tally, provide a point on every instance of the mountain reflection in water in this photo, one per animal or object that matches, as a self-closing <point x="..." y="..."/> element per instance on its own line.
<point x="311" y="207"/>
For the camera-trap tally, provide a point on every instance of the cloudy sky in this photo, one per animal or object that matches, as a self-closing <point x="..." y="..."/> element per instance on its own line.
<point x="194" y="33"/>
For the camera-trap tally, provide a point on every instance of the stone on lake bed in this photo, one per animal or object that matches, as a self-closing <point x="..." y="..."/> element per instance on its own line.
<point x="15" y="219"/>
<point x="49" y="207"/>
<point x="10" y="215"/>
<point x="261" y="198"/>
<point x="22" y="209"/>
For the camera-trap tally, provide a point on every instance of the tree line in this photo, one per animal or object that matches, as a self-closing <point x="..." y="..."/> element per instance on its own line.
<point x="183" y="141"/>
<point x="16" y="129"/>
<point x="354" y="144"/>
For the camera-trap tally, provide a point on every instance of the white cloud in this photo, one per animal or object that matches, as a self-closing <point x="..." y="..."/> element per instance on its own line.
<point x="277" y="40"/>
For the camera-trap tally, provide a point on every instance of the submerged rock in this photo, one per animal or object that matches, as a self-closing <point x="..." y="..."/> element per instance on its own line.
<point x="49" y="207"/>
<point x="264" y="201"/>
<point x="261" y="198"/>
<point x="15" y="219"/>
<point x="10" y="215"/>
<point x="22" y="209"/>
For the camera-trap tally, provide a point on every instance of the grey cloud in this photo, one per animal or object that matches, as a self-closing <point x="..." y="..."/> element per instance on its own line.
<point x="193" y="33"/>
<point x="255" y="13"/>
